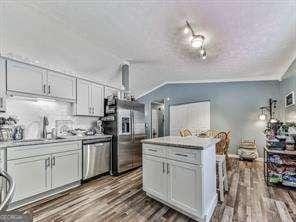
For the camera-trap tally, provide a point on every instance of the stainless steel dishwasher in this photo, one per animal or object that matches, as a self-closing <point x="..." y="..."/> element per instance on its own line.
<point x="96" y="157"/>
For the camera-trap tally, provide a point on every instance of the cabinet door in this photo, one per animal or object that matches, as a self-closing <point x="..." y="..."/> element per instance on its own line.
<point x="108" y="91"/>
<point x="66" y="168"/>
<point x="61" y="86"/>
<point x="31" y="176"/>
<point x="185" y="186"/>
<point x="83" y="105"/>
<point x="2" y="86"/>
<point x="25" y="78"/>
<point x="155" y="176"/>
<point x="97" y="100"/>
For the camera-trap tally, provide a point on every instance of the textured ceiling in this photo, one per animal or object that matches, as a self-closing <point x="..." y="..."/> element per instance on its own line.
<point x="246" y="40"/>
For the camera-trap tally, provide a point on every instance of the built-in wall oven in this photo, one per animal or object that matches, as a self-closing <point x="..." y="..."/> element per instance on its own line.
<point x="96" y="157"/>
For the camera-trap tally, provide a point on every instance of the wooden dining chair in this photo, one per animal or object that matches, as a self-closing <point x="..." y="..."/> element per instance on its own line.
<point x="228" y="139"/>
<point x="212" y="133"/>
<point x="221" y="148"/>
<point x="185" y="132"/>
<point x="221" y="145"/>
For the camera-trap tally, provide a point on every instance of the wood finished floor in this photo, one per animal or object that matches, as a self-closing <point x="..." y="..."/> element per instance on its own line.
<point x="122" y="199"/>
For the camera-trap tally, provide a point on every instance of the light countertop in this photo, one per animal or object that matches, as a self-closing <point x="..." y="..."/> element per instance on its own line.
<point x="47" y="141"/>
<point x="192" y="142"/>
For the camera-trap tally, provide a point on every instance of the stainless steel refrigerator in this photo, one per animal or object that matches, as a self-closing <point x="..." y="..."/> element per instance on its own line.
<point x="125" y="121"/>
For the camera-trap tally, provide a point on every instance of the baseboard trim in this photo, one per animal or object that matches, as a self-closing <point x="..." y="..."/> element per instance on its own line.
<point x="29" y="200"/>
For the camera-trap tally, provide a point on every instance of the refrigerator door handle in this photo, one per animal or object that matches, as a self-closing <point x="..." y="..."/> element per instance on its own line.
<point x="131" y="125"/>
<point x="133" y="129"/>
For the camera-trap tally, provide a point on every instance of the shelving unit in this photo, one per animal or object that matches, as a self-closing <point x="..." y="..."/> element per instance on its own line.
<point x="281" y="163"/>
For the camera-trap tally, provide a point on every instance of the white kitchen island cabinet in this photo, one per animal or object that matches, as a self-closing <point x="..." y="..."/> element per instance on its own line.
<point x="181" y="173"/>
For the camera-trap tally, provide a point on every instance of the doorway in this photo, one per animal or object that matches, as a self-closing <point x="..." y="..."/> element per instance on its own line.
<point x="157" y="119"/>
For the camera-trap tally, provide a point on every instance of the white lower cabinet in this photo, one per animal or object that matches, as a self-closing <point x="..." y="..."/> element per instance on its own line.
<point x="185" y="188"/>
<point x="66" y="168"/>
<point x="31" y="176"/>
<point x="40" y="168"/>
<point x="154" y="176"/>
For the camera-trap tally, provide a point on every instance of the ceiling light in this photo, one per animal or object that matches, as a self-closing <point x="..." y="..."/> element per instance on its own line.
<point x="186" y="30"/>
<point x="197" y="41"/>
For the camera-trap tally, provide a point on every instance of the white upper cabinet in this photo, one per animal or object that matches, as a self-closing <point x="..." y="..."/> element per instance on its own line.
<point x="23" y="78"/>
<point x="111" y="92"/>
<point x="90" y="99"/>
<point x="83" y="103"/>
<point x="98" y="100"/>
<point x="31" y="80"/>
<point x="2" y="86"/>
<point x="61" y="86"/>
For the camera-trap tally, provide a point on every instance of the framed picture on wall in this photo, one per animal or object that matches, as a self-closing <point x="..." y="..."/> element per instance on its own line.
<point x="289" y="99"/>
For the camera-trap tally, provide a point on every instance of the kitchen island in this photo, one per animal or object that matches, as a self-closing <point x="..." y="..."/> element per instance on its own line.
<point x="181" y="173"/>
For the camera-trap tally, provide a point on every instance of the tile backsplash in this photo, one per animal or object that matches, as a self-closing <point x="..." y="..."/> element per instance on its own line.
<point x="30" y="113"/>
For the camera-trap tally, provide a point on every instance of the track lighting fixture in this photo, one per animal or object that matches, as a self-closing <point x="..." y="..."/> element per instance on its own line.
<point x="196" y="41"/>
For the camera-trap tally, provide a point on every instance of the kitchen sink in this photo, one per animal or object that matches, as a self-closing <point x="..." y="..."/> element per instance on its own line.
<point x="57" y="138"/>
<point x="40" y="140"/>
<point x="31" y="140"/>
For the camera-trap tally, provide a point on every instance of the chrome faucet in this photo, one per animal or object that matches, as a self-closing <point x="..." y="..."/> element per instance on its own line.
<point x="44" y="130"/>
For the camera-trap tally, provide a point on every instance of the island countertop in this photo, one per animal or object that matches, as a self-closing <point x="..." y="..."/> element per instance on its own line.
<point x="192" y="142"/>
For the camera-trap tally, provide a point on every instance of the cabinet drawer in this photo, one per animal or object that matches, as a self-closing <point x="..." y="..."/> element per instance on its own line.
<point x="41" y="149"/>
<point x="184" y="155"/>
<point x="154" y="150"/>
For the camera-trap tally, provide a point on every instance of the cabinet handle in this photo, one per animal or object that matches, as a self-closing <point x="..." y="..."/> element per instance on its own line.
<point x="44" y="88"/>
<point x="93" y="110"/>
<point x="53" y="161"/>
<point x="47" y="163"/>
<point x="152" y="150"/>
<point x="89" y="110"/>
<point x="48" y="89"/>
<point x="168" y="168"/>
<point x="179" y="154"/>
<point x="163" y="167"/>
<point x="1" y="102"/>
